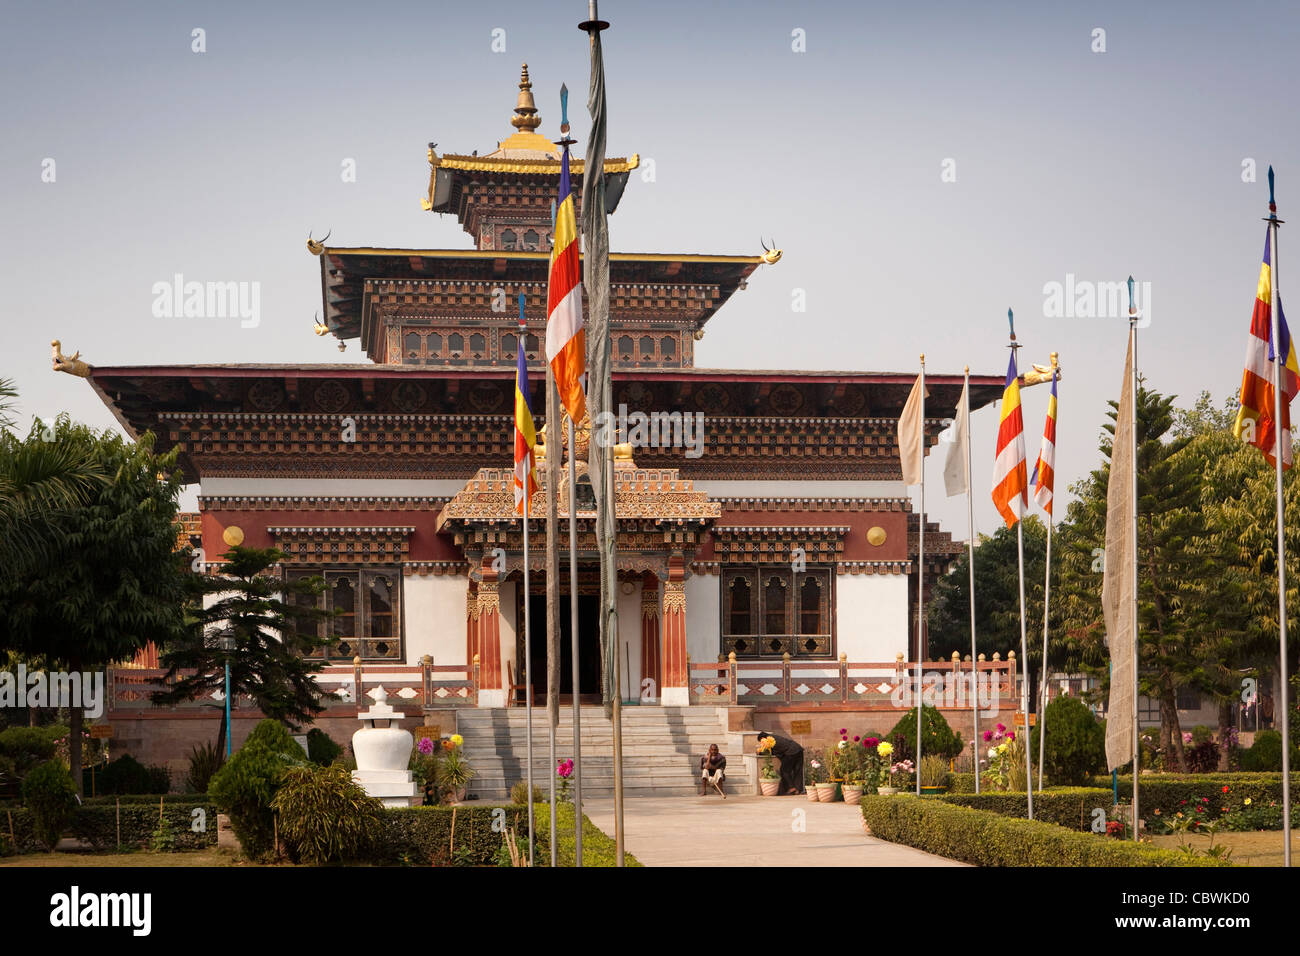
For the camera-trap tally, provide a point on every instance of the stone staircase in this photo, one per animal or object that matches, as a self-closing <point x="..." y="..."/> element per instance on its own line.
<point x="662" y="747"/>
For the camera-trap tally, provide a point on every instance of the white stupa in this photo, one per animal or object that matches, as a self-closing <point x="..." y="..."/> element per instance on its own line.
<point x="383" y="754"/>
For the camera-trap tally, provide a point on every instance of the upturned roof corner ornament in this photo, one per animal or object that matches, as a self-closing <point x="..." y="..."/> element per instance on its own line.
<point x="770" y="256"/>
<point x="71" y="364"/>
<point x="1042" y="373"/>
<point x="317" y="246"/>
<point x="319" y="327"/>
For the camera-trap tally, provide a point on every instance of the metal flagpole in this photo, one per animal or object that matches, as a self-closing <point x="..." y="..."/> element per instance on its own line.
<point x="553" y="451"/>
<point x="970" y="559"/>
<point x="1133" y="610"/>
<point x="920" y="589"/>
<point x="1279" y="359"/>
<point x="1047" y="599"/>
<point x="1024" y="642"/>
<point x="573" y="644"/>
<point x="528" y="631"/>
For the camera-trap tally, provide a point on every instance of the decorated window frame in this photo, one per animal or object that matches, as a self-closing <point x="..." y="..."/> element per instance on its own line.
<point x="370" y="625"/>
<point x="770" y="611"/>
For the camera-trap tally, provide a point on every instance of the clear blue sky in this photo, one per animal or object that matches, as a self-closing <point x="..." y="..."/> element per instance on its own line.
<point x="1068" y="161"/>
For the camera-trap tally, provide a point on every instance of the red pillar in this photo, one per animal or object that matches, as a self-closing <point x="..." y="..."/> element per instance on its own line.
<point x="489" y="635"/>
<point x="471" y="623"/>
<point x="676" y="684"/>
<point x="650" y="657"/>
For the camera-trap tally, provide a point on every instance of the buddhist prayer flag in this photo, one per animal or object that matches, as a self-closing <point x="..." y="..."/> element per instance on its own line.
<point x="1010" y="482"/>
<point x="1044" y="477"/>
<point x="1117" y="585"/>
<point x="525" y="434"/>
<point x="954" y="466"/>
<point x="911" y="435"/>
<point x="566" y="342"/>
<point x="1255" y="424"/>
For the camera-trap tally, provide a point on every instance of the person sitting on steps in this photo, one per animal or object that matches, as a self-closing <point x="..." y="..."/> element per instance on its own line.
<point x="712" y="766"/>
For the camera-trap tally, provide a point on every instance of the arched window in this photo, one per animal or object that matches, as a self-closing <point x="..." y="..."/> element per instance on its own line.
<point x="740" y="619"/>
<point x="531" y="239"/>
<point x="509" y="240"/>
<point x="810" y="606"/>
<point x="774" y="617"/>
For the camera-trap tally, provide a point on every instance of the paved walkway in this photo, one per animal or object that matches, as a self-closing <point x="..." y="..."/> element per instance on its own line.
<point x="751" y="831"/>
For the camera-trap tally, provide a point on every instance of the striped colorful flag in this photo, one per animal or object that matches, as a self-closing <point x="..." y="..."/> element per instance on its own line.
<point x="1254" y="423"/>
<point x="566" y="340"/>
<point x="525" y="434"/>
<point x="1044" y="476"/>
<point x="1010" y="483"/>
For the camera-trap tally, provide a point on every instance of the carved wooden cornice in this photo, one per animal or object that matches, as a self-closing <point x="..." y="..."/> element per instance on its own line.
<point x="320" y="503"/>
<point x="776" y="544"/>
<point x="353" y="545"/>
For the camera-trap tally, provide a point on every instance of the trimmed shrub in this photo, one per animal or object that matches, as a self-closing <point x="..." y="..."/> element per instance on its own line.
<point x="321" y="748"/>
<point x="51" y="796"/>
<point x="98" y="825"/>
<point x="324" y="815"/>
<point x="420" y="836"/>
<point x="989" y="839"/>
<point x="961" y="783"/>
<point x="205" y="761"/>
<point x="246" y="785"/>
<point x="1075" y="745"/>
<point x="1265" y="753"/>
<point x="936" y="736"/>
<point x="128" y="775"/>
<point x="1069" y="807"/>
<point x="1171" y="793"/>
<point x="519" y="794"/>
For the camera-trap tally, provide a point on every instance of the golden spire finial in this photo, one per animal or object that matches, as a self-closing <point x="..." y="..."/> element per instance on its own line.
<point x="525" y="118"/>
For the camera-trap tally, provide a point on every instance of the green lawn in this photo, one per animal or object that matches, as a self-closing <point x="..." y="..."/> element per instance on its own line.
<point x="209" y="857"/>
<point x="1249" y="848"/>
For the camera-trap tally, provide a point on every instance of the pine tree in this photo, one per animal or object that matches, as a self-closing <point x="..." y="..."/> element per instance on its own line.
<point x="275" y="627"/>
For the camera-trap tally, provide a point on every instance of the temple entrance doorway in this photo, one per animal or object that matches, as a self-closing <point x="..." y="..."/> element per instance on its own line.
<point x="588" y="649"/>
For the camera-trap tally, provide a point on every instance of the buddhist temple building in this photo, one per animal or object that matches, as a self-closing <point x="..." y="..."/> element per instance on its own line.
<point x="761" y="513"/>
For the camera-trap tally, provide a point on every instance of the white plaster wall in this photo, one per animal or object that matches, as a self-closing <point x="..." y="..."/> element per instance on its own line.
<point x="433" y="615"/>
<point x="629" y="638"/>
<point x="871" y="616"/>
<point x="801" y="489"/>
<point x="508" y="624"/>
<point x="324" y="487"/>
<point x="703" y="620"/>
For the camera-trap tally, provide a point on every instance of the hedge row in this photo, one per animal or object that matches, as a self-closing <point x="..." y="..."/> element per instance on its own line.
<point x="1168" y="791"/>
<point x="989" y="839"/>
<point x="98" y="826"/>
<point x="1069" y="807"/>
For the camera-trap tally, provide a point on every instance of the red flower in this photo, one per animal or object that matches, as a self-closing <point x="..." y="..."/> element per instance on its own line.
<point x="1225" y="788"/>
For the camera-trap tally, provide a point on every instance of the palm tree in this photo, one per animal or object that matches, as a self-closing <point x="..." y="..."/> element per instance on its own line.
<point x="38" y="477"/>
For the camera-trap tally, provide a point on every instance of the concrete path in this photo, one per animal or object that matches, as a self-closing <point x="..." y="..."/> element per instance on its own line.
<point x="751" y="831"/>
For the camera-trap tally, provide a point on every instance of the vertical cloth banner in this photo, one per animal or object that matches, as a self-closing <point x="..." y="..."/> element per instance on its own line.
<point x="566" y="346"/>
<point x="1254" y="422"/>
<point x="1044" y="476"/>
<point x="525" y="481"/>
<point x="595" y="233"/>
<point x="1117" y="594"/>
<point x="954" y="466"/>
<point x="1010" y="482"/>
<point x="911" y="436"/>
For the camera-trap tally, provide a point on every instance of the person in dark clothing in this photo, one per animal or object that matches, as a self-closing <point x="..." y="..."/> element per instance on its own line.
<point x="791" y="756"/>
<point x="712" y="767"/>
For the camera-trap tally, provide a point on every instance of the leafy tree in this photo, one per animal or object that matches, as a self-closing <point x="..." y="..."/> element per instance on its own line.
<point x="1075" y="748"/>
<point x="1169" y="520"/>
<point x="108" y="579"/>
<point x="273" y="639"/>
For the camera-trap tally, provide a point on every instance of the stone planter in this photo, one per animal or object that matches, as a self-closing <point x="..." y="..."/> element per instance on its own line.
<point x="887" y="791"/>
<point x="769" y="787"/>
<point x="825" y="792"/>
<point x="852" y="794"/>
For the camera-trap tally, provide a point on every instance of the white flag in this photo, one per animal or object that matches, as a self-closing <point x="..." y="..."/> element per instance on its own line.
<point x="954" y="467"/>
<point x="911" y="436"/>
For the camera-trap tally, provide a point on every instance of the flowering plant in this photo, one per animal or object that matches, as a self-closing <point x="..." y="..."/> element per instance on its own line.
<point x="564" y="771"/>
<point x="903" y="767"/>
<point x="1001" y="755"/>
<point x="765" y="745"/>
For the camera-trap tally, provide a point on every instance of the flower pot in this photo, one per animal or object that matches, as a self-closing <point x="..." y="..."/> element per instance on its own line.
<point x="887" y="791"/>
<point x="933" y="790"/>
<point x="810" y="790"/>
<point x="825" y="792"/>
<point x="852" y="794"/>
<point x="769" y="787"/>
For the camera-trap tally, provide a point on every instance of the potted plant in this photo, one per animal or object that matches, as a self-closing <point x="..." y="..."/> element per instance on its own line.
<point x="813" y="771"/>
<point x="454" y="772"/>
<point x="886" y="786"/>
<point x="934" y="774"/>
<point x="768" y="780"/>
<point x="902" y="770"/>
